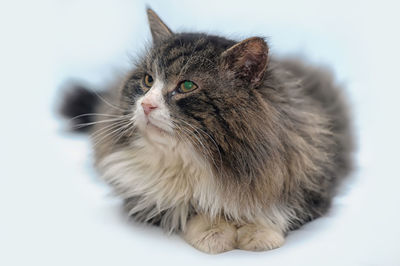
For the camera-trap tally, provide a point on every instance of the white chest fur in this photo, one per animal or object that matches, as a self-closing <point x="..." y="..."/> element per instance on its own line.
<point x="165" y="177"/>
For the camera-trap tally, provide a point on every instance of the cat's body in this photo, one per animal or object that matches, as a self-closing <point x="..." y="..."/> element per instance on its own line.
<point x="213" y="138"/>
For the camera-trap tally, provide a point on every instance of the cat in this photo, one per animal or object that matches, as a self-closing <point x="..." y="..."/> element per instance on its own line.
<point x="217" y="140"/>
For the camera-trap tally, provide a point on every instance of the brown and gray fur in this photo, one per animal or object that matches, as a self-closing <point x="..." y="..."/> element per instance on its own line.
<point x="257" y="150"/>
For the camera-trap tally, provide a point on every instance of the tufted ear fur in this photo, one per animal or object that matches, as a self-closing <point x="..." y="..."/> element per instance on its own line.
<point x="158" y="29"/>
<point x="247" y="59"/>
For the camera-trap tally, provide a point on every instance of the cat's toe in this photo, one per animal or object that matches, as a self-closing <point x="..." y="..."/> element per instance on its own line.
<point x="215" y="241"/>
<point x="210" y="238"/>
<point x="258" y="238"/>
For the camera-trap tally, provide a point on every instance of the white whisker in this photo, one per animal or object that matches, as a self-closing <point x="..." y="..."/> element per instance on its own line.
<point x="98" y="122"/>
<point x="199" y="130"/>
<point x="93" y="114"/>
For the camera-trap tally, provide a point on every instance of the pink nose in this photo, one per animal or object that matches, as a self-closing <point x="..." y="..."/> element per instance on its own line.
<point x="148" y="107"/>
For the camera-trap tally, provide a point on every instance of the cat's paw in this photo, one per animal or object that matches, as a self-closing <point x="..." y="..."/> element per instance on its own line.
<point x="258" y="238"/>
<point x="210" y="237"/>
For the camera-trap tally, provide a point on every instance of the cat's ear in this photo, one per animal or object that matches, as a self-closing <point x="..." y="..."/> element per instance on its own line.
<point x="247" y="59"/>
<point x="158" y="29"/>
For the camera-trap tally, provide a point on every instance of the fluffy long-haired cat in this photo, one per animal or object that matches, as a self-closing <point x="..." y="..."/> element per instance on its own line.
<point x="217" y="140"/>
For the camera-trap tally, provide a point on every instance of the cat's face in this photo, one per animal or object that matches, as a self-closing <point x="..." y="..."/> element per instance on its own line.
<point x="194" y="87"/>
<point x="176" y="85"/>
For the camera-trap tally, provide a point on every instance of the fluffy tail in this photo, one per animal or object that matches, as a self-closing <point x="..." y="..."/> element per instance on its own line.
<point x="78" y="104"/>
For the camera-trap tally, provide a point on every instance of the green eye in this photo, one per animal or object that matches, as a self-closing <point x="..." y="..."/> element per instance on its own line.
<point x="187" y="86"/>
<point x="148" y="81"/>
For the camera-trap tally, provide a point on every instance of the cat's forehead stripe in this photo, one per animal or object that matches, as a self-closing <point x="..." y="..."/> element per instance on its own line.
<point x="197" y="49"/>
<point x="172" y="54"/>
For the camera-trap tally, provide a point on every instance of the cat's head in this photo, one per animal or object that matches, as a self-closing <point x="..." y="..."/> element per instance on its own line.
<point x="196" y="87"/>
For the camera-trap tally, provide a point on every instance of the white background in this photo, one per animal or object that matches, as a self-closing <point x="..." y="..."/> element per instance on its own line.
<point x="55" y="211"/>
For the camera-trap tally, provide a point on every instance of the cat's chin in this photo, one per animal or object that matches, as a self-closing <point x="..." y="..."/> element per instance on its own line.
<point x="156" y="135"/>
<point x="153" y="131"/>
<point x="152" y="128"/>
